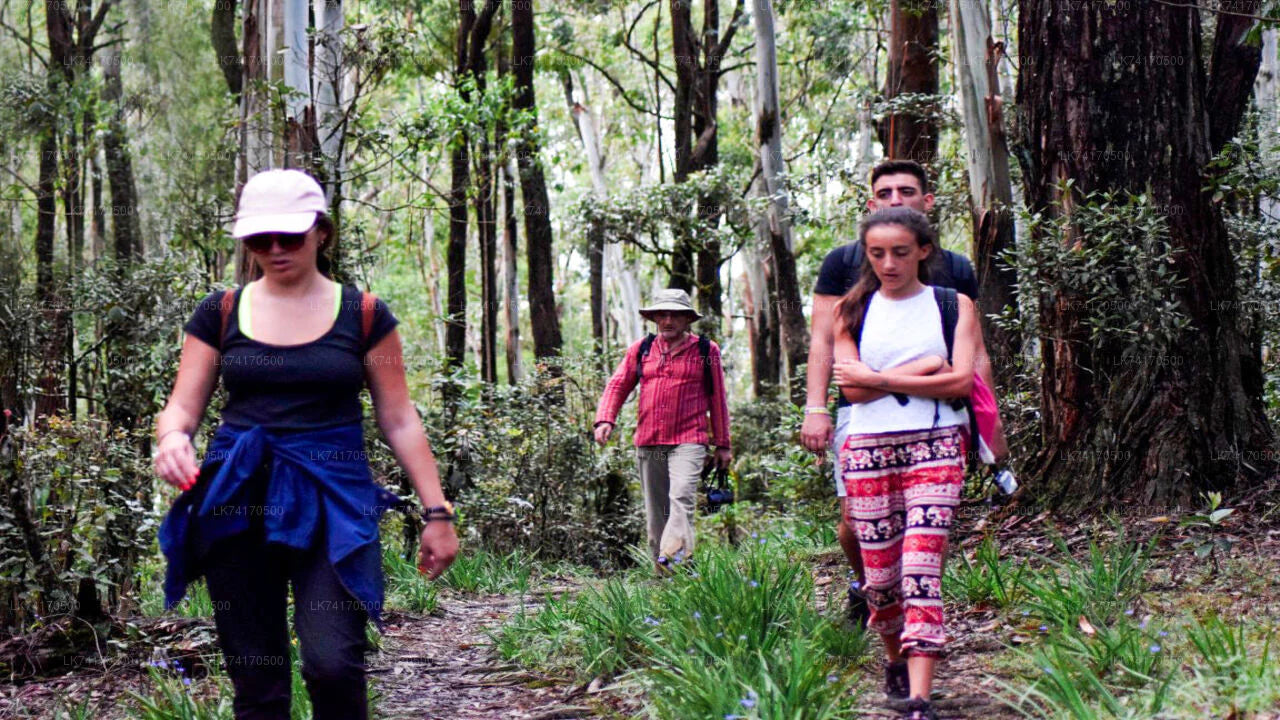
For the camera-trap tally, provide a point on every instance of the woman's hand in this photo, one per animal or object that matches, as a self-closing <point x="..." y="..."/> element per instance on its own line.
<point x="437" y="548"/>
<point x="855" y="373"/>
<point x="175" y="460"/>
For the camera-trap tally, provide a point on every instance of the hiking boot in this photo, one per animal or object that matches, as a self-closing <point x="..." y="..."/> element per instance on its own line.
<point x="919" y="709"/>
<point x="897" y="685"/>
<point x="857" y="611"/>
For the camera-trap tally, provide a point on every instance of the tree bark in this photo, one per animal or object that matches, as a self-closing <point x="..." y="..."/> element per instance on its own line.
<point x="460" y="173"/>
<point x="486" y="221"/>
<point x="126" y="233"/>
<point x="686" y="64"/>
<point x="990" y="187"/>
<point x="533" y="189"/>
<point x="222" y="34"/>
<point x="912" y="70"/>
<point x="1234" y="66"/>
<point x="776" y="224"/>
<point x="1115" y="100"/>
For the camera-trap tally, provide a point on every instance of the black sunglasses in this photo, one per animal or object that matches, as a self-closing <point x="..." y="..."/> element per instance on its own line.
<point x="262" y="242"/>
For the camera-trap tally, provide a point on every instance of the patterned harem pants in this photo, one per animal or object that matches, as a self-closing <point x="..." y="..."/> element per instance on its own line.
<point x="902" y="489"/>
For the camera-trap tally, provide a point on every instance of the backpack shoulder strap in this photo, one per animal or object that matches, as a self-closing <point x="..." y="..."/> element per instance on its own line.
<point x="645" y="344"/>
<point x="225" y="304"/>
<point x="948" y="306"/>
<point x="368" y="302"/>
<point x="857" y="338"/>
<point x="704" y="352"/>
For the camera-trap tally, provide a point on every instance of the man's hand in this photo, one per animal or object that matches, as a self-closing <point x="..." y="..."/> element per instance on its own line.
<point x="816" y="432"/>
<point x="603" y="431"/>
<point x="437" y="548"/>
<point x="724" y="458"/>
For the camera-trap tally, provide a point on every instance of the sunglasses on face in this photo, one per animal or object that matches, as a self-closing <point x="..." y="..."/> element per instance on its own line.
<point x="262" y="243"/>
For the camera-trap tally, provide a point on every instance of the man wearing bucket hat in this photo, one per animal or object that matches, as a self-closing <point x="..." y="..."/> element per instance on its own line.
<point x="681" y="383"/>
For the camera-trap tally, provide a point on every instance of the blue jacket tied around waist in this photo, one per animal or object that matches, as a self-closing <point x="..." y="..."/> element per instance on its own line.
<point x="318" y="481"/>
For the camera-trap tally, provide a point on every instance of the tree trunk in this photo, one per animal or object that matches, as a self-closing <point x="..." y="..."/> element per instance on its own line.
<point x="460" y="172"/>
<point x="222" y="34"/>
<point x="990" y="188"/>
<point x="127" y="235"/>
<point x="912" y="71"/>
<point x="51" y="397"/>
<point x="486" y="222"/>
<point x="510" y="270"/>
<point x="1234" y="66"/>
<point x="585" y="122"/>
<point x="1114" y="99"/>
<point x="684" y="51"/>
<point x="533" y="189"/>
<point x="776" y="223"/>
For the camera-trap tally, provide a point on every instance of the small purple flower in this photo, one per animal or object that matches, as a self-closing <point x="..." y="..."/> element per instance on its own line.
<point x="1044" y="628"/>
<point x="1154" y="648"/>
<point x="754" y="584"/>
<point x="832" y="678"/>
<point x="697" y="615"/>
<point x="651" y="620"/>
<point x="1129" y="612"/>
<point x="186" y="681"/>
<point x="1163" y="633"/>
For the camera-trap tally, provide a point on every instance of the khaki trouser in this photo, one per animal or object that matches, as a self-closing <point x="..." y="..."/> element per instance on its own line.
<point x="669" y="477"/>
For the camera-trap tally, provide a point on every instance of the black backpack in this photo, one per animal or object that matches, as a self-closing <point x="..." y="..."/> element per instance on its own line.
<point x="704" y="352"/>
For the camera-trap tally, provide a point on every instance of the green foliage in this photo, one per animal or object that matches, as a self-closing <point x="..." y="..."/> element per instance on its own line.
<point x="171" y="697"/>
<point x="482" y="571"/>
<point x="984" y="579"/>
<point x="406" y="587"/>
<point x="1111" y="260"/>
<point x="734" y="635"/>
<point x="1099" y="588"/>
<point x="526" y="473"/>
<point x="74" y="507"/>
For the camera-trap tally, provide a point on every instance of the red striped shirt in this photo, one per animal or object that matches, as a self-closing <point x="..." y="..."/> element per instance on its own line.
<point x="673" y="397"/>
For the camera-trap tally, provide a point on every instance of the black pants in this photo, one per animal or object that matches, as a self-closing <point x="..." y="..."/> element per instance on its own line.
<point x="248" y="582"/>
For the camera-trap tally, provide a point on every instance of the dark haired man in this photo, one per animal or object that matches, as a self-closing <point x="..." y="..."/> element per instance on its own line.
<point x="894" y="183"/>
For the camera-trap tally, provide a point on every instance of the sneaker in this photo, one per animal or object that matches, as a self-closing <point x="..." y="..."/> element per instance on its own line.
<point x="896" y="683"/>
<point x="857" y="611"/>
<point x="919" y="709"/>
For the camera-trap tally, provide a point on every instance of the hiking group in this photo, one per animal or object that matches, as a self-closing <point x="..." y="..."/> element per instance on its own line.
<point x="284" y="495"/>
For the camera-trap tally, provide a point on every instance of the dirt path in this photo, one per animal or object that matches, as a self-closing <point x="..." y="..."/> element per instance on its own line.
<point x="443" y="666"/>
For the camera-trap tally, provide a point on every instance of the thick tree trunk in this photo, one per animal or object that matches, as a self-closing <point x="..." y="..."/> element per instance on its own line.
<point x="990" y="187"/>
<point x="1114" y="100"/>
<point x="913" y="71"/>
<point x="776" y="224"/>
<point x="533" y="189"/>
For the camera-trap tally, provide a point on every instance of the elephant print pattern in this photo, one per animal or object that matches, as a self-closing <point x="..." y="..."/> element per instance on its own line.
<point x="902" y="490"/>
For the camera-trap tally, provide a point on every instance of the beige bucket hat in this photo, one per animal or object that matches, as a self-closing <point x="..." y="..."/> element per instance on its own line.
<point x="671" y="299"/>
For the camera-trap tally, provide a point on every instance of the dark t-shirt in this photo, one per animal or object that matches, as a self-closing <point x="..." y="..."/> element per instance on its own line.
<point x="292" y="387"/>
<point x="841" y="268"/>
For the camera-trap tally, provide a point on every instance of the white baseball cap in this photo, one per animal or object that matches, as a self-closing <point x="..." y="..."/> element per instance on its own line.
<point x="279" y="201"/>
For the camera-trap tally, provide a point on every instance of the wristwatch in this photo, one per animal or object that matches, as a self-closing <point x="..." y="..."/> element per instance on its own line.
<point x="439" y="512"/>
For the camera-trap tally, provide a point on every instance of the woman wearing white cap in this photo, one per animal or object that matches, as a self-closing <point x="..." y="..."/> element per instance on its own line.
<point x="285" y="495"/>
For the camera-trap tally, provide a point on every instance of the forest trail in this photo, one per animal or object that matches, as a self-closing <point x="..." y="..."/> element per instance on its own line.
<point x="443" y="666"/>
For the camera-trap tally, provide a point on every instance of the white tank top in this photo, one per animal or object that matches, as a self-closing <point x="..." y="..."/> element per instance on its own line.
<point x="896" y="332"/>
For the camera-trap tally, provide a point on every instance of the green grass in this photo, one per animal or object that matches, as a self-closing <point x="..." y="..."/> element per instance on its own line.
<point x="984" y="579"/>
<point x="1100" y="588"/>
<point x="735" y="635"/>
<point x="406" y="587"/>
